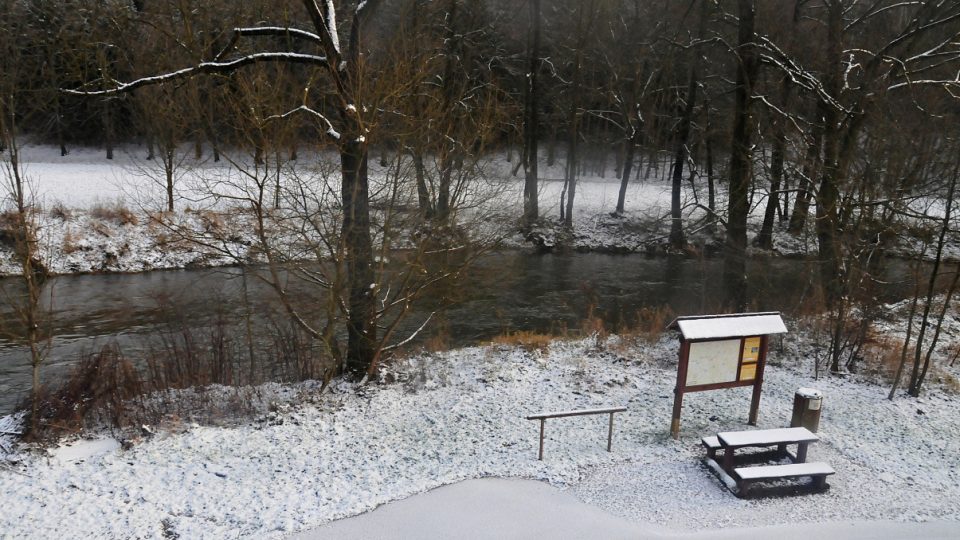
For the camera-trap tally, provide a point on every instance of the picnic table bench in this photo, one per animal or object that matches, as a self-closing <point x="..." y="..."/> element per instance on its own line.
<point x="542" y="417"/>
<point x="731" y="441"/>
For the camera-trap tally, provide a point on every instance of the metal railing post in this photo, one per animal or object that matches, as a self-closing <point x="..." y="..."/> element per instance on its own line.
<point x="542" y="422"/>
<point x="610" y="434"/>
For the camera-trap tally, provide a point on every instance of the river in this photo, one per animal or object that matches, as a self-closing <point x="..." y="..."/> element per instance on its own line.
<point x="504" y="291"/>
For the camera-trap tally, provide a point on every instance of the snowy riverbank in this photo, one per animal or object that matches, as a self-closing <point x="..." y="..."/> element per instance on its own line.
<point x="459" y="415"/>
<point x="104" y="216"/>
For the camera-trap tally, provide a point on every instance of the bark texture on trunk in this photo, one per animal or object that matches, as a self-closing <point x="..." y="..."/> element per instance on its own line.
<point x="734" y="262"/>
<point x="361" y="318"/>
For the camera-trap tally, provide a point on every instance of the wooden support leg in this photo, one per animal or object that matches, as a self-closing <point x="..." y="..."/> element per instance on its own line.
<point x="820" y="482"/>
<point x="728" y="460"/>
<point x="742" y="488"/>
<point x="610" y="434"/>
<point x="781" y="449"/>
<point x="542" y="422"/>
<point x="802" y="452"/>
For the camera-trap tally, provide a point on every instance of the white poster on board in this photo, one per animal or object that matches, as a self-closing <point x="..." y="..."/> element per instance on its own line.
<point x="712" y="362"/>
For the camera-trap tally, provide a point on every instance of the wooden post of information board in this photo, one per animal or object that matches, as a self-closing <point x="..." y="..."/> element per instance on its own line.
<point x="678" y="390"/>
<point x="758" y="383"/>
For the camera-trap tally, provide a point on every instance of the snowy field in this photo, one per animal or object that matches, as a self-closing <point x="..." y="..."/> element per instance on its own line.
<point x="460" y="415"/>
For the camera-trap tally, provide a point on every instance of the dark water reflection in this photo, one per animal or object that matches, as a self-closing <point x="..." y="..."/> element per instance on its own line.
<point x="505" y="291"/>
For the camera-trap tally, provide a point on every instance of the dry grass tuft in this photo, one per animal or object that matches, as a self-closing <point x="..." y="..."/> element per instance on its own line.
<point x="115" y="212"/>
<point x="649" y="323"/>
<point x="525" y="339"/>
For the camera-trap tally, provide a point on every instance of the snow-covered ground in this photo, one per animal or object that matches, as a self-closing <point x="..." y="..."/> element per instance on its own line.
<point x="83" y="226"/>
<point x="458" y="415"/>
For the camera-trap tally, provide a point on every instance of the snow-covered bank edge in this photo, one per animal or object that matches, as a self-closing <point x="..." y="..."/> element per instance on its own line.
<point x="84" y="242"/>
<point x="458" y="415"/>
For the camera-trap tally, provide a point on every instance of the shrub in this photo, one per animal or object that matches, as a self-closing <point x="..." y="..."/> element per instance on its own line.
<point x="61" y="212"/>
<point x="115" y="212"/>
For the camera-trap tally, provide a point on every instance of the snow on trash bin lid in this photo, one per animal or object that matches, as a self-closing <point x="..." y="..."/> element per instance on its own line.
<point x="809" y="393"/>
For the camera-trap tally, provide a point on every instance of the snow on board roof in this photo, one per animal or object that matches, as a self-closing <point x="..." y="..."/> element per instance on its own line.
<point x="728" y="326"/>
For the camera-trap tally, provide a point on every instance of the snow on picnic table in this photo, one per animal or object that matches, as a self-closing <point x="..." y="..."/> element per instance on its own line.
<point x="460" y="415"/>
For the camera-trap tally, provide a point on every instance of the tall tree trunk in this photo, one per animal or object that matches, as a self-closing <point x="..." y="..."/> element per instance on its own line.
<point x="361" y="318"/>
<point x="711" y="189"/>
<point x="572" y="161"/>
<point x="168" y="166"/>
<point x="916" y="377"/>
<point x="362" y="346"/>
<point x="811" y="168"/>
<point x="783" y="212"/>
<point x="25" y="248"/>
<point x="449" y="144"/>
<point x="423" y="194"/>
<point x="531" y="121"/>
<point x="828" y="193"/>
<point x="629" y="156"/>
<point x="936" y="331"/>
<point x="765" y="238"/>
<point x="677" y="240"/>
<point x="58" y="124"/>
<point x="108" y="127"/>
<point x="734" y="262"/>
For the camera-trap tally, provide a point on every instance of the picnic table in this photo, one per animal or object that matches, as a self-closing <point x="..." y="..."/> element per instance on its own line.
<point x="731" y="441"/>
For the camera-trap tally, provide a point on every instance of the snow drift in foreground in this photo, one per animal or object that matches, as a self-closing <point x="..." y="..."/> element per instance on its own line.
<point x="460" y="414"/>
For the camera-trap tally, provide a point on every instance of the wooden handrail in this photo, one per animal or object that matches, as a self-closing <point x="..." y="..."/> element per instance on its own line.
<point x="581" y="412"/>
<point x="542" y="417"/>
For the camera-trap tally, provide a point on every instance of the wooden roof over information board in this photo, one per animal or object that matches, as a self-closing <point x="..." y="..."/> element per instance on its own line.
<point x="729" y="326"/>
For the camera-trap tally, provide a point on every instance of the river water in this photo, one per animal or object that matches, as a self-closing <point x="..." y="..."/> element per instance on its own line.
<point x="505" y="291"/>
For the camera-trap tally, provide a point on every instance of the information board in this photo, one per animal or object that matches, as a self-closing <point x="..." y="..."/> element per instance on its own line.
<point x="713" y="362"/>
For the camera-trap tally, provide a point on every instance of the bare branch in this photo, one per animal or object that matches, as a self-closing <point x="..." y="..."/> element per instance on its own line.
<point x="205" y="68"/>
<point x="305" y="109"/>
<point x="411" y="337"/>
<point x="278" y="31"/>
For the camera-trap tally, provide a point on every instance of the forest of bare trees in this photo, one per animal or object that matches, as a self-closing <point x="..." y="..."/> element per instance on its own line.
<point x="832" y="116"/>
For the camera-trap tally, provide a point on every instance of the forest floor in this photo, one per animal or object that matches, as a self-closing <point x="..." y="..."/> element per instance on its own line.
<point x="97" y="215"/>
<point x="308" y="458"/>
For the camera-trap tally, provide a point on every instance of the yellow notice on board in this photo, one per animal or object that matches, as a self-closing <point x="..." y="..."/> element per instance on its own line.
<point x="748" y="372"/>
<point x="751" y="349"/>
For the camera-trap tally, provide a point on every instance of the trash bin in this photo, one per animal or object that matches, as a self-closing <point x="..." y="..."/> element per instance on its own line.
<point x="806" y="409"/>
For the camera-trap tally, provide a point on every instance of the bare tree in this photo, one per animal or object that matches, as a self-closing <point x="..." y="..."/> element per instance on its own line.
<point x="347" y="125"/>
<point x="531" y="118"/>
<point x="19" y="217"/>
